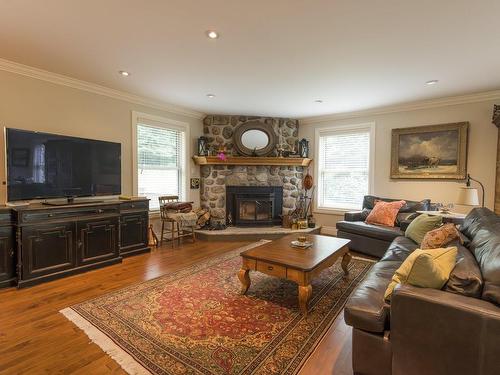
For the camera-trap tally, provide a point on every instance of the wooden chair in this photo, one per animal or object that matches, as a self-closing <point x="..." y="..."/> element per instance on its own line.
<point x="174" y="226"/>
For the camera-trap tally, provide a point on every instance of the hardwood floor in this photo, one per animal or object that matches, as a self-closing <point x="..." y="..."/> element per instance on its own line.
<point x="36" y="339"/>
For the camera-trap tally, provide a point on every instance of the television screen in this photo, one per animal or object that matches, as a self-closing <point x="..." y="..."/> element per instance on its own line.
<point x="42" y="165"/>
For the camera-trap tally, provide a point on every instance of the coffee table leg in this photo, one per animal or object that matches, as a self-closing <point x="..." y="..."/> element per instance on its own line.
<point x="305" y="293"/>
<point x="345" y="263"/>
<point x="244" y="276"/>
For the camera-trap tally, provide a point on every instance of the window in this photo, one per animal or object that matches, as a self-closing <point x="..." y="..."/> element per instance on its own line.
<point x="160" y="159"/>
<point x="344" y="166"/>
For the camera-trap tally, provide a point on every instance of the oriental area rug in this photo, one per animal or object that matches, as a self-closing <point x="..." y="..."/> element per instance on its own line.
<point x="195" y="321"/>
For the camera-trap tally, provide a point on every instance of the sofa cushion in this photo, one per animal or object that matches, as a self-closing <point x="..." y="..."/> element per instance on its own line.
<point x="425" y="268"/>
<point x="482" y="226"/>
<point x="357" y="215"/>
<point x="399" y="249"/>
<point x="410" y="206"/>
<point x="403" y="217"/>
<point x="440" y="237"/>
<point x="366" y="308"/>
<point x="384" y="213"/>
<point x="485" y="246"/>
<point x="375" y="231"/>
<point x="419" y="227"/>
<point x="465" y="279"/>
<point x="477" y="218"/>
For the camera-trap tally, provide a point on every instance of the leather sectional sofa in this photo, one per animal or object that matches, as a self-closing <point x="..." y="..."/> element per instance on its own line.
<point x="375" y="239"/>
<point x="455" y="330"/>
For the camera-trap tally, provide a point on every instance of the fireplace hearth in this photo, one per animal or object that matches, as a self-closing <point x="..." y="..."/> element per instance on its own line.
<point x="254" y="205"/>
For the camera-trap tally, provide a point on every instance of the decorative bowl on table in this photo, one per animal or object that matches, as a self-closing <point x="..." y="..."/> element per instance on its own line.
<point x="301" y="242"/>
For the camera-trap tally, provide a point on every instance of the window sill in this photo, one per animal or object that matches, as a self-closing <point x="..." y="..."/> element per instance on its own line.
<point x="333" y="211"/>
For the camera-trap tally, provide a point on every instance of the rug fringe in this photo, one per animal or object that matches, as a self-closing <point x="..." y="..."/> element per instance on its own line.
<point x="125" y="360"/>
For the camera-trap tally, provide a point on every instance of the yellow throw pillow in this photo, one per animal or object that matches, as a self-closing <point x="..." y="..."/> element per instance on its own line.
<point x="425" y="268"/>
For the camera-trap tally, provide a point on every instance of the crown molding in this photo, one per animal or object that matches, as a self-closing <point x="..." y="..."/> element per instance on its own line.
<point x="406" y="107"/>
<point x="59" y="79"/>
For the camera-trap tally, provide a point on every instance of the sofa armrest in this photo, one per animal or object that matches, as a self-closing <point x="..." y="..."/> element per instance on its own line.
<point x="356" y="215"/>
<point x="437" y="332"/>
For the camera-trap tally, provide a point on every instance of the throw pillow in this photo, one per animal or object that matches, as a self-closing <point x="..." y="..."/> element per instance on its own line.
<point x="421" y="225"/>
<point x="425" y="269"/>
<point x="440" y="237"/>
<point x="384" y="213"/>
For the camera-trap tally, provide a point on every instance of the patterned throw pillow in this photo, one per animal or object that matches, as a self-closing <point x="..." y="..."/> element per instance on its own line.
<point x="440" y="237"/>
<point x="384" y="213"/>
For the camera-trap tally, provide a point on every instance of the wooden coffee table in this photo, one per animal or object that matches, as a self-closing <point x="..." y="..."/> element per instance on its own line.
<point x="278" y="258"/>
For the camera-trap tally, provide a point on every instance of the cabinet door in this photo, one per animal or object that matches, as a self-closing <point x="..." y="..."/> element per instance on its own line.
<point x="97" y="240"/>
<point x="134" y="231"/>
<point x="7" y="252"/>
<point x="47" y="249"/>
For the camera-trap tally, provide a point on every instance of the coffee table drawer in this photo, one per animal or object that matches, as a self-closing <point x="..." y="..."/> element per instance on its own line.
<point x="271" y="269"/>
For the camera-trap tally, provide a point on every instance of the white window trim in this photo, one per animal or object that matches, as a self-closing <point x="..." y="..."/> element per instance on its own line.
<point x="161" y="122"/>
<point x="370" y="126"/>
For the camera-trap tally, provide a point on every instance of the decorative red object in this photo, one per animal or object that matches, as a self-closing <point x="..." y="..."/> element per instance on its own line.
<point x="222" y="156"/>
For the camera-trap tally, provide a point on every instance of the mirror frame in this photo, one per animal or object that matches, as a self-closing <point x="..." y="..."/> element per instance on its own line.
<point x="254" y="125"/>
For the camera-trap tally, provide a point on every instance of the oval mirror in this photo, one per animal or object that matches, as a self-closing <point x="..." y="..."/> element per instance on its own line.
<point x="255" y="139"/>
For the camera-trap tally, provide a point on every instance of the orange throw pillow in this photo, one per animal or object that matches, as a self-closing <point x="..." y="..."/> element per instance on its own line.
<point x="384" y="213"/>
<point x="440" y="237"/>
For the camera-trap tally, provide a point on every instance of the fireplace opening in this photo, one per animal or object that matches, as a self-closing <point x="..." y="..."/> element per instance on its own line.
<point x="255" y="210"/>
<point x="254" y="205"/>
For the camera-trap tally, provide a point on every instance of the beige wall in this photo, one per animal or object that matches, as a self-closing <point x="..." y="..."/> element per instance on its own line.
<point x="481" y="155"/>
<point x="28" y="103"/>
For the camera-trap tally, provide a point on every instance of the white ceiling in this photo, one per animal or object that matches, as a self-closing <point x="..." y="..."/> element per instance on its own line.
<point x="272" y="58"/>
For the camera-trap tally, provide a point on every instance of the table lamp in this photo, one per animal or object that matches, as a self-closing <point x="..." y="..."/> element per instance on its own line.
<point x="469" y="196"/>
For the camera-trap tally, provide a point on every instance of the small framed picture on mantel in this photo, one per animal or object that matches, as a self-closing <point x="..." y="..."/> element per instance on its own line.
<point x="430" y="152"/>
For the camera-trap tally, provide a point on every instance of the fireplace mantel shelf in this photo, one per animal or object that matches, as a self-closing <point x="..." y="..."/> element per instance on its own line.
<point x="257" y="160"/>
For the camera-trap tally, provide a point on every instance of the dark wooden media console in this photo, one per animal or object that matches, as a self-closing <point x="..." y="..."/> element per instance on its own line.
<point x="7" y="249"/>
<point x="51" y="242"/>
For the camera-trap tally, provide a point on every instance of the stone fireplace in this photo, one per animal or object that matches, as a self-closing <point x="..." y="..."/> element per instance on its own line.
<point x="216" y="178"/>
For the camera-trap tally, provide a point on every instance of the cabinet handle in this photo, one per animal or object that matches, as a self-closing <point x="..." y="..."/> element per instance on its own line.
<point x="270" y="268"/>
<point x="50" y="215"/>
<point x="11" y="253"/>
<point x="100" y="211"/>
<point x="79" y="244"/>
<point x="132" y="205"/>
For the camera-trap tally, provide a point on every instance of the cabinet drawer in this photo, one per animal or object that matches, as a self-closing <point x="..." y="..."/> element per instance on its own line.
<point x="43" y="215"/>
<point x="271" y="269"/>
<point x="135" y="205"/>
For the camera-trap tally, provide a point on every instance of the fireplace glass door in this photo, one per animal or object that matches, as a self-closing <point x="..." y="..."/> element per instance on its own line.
<point x="255" y="210"/>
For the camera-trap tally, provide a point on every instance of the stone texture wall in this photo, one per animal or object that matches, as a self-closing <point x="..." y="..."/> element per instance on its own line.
<point x="219" y="130"/>
<point x="214" y="178"/>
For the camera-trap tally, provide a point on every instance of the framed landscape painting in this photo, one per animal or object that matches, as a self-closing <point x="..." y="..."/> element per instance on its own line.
<point x="434" y="151"/>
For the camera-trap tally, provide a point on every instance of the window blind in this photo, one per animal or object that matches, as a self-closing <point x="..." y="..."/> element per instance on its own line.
<point x="344" y="160"/>
<point x="160" y="162"/>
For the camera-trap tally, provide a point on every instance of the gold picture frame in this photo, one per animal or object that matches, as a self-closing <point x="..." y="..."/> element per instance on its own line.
<point x="430" y="152"/>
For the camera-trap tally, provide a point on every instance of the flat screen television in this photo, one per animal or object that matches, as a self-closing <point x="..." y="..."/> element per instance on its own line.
<point x="43" y="165"/>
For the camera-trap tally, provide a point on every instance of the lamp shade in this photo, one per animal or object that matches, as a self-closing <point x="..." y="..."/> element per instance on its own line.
<point x="468" y="196"/>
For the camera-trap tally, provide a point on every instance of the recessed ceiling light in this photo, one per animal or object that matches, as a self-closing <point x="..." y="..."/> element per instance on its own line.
<point x="212" y="34"/>
<point x="211" y="96"/>
<point x="124" y="73"/>
<point x="431" y="82"/>
<point x="318" y="101"/>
